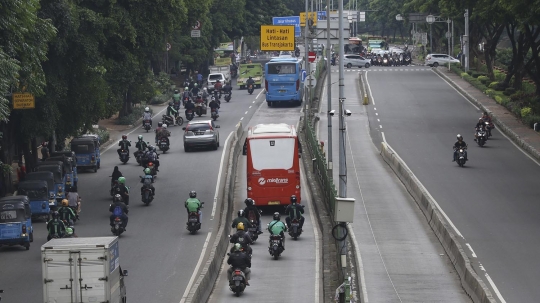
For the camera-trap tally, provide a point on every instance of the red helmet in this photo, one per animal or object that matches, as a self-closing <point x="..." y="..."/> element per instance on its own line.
<point x="150" y="164"/>
<point x="124" y="137"/>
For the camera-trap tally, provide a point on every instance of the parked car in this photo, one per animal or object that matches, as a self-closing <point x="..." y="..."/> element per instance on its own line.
<point x="439" y="59"/>
<point x="201" y="133"/>
<point x="350" y="60"/>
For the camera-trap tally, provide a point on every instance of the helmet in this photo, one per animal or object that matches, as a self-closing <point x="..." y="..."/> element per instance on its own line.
<point x="480" y="119"/>
<point x="293" y="199"/>
<point x="186" y="88"/>
<point x="250" y="77"/>
<point x="240" y="226"/>
<point x="249" y="202"/>
<point x="205" y="89"/>
<point x="54" y="215"/>
<point x="147" y="109"/>
<point x="241" y="213"/>
<point x="171" y="104"/>
<point x="160" y="124"/>
<point x="122" y="180"/>
<point x="195" y="85"/>
<point x="124" y="137"/>
<point x="218" y="81"/>
<point x="65" y="202"/>
<point x="176" y="91"/>
<point x="140" y="137"/>
<point x="277" y="216"/>
<point x="117" y="198"/>
<point x="147" y="171"/>
<point x="193" y="194"/>
<point x="237" y="247"/>
<point x="459" y="137"/>
<point x="165" y="126"/>
<point x="150" y="164"/>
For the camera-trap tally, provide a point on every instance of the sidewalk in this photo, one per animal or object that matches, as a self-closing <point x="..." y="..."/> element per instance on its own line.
<point x="505" y="121"/>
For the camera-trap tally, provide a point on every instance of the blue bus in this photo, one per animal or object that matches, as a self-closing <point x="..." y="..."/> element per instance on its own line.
<point x="283" y="81"/>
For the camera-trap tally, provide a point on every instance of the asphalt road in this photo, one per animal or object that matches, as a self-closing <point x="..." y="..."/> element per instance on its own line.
<point x="295" y="273"/>
<point x="156" y="249"/>
<point x="492" y="201"/>
<point x="402" y="259"/>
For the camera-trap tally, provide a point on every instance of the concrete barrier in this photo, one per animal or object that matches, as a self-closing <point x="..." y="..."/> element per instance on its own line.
<point x="202" y="288"/>
<point x="501" y="125"/>
<point x="471" y="282"/>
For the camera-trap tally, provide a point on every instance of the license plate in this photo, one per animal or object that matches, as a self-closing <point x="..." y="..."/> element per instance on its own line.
<point x="295" y="224"/>
<point x="281" y="91"/>
<point x="274" y="203"/>
<point x="237" y="278"/>
<point x="199" y="133"/>
<point x="192" y="220"/>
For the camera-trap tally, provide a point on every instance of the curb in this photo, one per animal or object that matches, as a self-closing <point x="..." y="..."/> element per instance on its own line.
<point x="471" y="282"/>
<point x="502" y="126"/>
<point x="202" y="288"/>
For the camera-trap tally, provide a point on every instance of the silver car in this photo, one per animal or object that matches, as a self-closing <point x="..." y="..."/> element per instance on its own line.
<point x="201" y="133"/>
<point x="350" y="60"/>
<point x="439" y="59"/>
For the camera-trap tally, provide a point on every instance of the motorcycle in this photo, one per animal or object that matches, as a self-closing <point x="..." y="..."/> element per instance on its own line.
<point x="481" y="137"/>
<point x="253" y="230"/>
<point x="461" y="157"/>
<point x="228" y="96"/>
<point x="185" y="100"/>
<point x="139" y="156"/>
<point x="489" y="127"/>
<point x="237" y="283"/>
<point x="217" y="94"/>
<point x="200" y="107"/>
<point x="70" y="230"/>
<point x="169" y="120"/>
<point x="294" y="230"/>
<point x="176" y="105"/>
<point x="247" y="248"/>
<point x="163" y="145"/>
<point x="146" y="191"/>
<point x="124" y="156"/>
<point x="193" y="224"/>
<point x="147" y="125"/>
<point x="275" y="249"/>
<point x="118" y="228"/>
<point x="190" y="115"/>
<point x="250" y="89"/>
<point x="115" y="188"/>
<point x="214" y="114"/>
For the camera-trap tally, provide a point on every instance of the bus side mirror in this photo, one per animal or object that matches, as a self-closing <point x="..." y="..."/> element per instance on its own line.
<point x="244" y="149"/>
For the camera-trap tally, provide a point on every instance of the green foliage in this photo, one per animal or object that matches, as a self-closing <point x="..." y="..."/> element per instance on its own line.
<point x="525" y="111"/>
<point x="132" y="118"/>
<point x="103" y="134"/>
<point x="509" y="91"/>
<point x="530" y="120"/>
<point x="483" y="79"/>
<point x="160" y="99"/>
<point x="498" y="99"/>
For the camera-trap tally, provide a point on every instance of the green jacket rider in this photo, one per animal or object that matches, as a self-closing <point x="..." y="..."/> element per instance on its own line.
<point x="141" y="145"/>
<point x="65" y="212"/>
<point x="171" y="111"/>
<point x="242" y="219"/>
<point x="55" y="227"/>
<point x="276" y="227"/>
<point x="176" y="96"/>
<point x="193" y="204"/>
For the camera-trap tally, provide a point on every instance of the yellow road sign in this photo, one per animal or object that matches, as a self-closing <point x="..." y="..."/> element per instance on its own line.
<point x="277" y="37"/>
<point x="222" y="61"/>
<point x="312" y="16"/>
<point x="23" y="101"/>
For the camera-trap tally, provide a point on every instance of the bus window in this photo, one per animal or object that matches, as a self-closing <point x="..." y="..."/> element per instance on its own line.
<point x="244" y="148"/>
<point x="282" y="69"/>
<point x="263" y="153"/>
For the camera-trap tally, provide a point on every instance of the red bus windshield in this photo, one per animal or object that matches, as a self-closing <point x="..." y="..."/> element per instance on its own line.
<point x="273" y="169"/>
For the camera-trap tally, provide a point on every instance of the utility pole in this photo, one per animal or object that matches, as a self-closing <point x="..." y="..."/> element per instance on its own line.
<point x="342" y="162"/>
<point x="466" y="40"/>
<point x="306" y="60"/>
<point x="329" y="88"/>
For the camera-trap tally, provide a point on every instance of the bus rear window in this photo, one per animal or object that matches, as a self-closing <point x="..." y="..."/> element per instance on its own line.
<point x="282" y="68"/>
<point x="272" y="153"/>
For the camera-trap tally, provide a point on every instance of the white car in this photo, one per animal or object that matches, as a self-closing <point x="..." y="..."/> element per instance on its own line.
<point x="439" y="59"/>
<point x="350" y="60"/>
<point x="212" y="78"/>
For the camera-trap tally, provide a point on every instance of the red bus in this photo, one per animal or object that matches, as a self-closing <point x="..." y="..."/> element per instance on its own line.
<point x="273" y="167"/>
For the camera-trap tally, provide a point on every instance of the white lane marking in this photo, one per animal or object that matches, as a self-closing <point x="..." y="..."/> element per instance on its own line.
<point x="250" y="106"/>
<point x="262" y="90"/>
<point x="376" y="114"/>
<point x="136" y="128"/>
<point x="383" y="137"/>
<point x="369" y="88"/>
<point x="360" y="265"/>
<point x="472" y="251"/>
<point x="219" y="177"/>
<point x="317" y="247"/>
<point x="495" y="289"/>
<point x="241" y="118"/>
<point x="375" y="108"/>
<point x="253" y="101"/>
<point x="195" y="272"/>
<point x="246" y="112"/>
<point x="380" y="126"/>
<point x="378" y="120"/>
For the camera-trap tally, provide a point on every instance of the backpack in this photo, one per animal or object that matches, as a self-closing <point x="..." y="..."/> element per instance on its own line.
<point x="118" y="211"/>
<point x="151" y="156"/>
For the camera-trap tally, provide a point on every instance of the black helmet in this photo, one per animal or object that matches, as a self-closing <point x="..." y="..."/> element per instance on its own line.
<point x="160" y="124"/>
<point x="241" y="213"/>
<point x="54" y="215"/>
<point x="171" y="104"/>
<point x="249" y="202"/>
<point x="293" y="199"/>
<point x="277" y="216"/>
<point x="193" y="194"/>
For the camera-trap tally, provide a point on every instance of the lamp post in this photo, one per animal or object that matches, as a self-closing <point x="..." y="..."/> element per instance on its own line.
<point x="430" y="19"/>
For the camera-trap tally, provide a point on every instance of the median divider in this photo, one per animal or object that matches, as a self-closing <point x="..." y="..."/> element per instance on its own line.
<point x="202" y="288"/>
<point x="471" y="282"/>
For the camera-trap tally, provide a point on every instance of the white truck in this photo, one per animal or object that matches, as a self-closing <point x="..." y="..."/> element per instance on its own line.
<point x="81" y="270"/>
<point x="223" y="73"/>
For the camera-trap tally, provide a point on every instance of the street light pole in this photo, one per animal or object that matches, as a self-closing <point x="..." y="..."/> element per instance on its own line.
<point x="329" y="88"/>
<point x="342" y="162"/>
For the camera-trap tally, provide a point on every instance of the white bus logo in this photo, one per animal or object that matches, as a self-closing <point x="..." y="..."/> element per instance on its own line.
<point x="263" y="181"/>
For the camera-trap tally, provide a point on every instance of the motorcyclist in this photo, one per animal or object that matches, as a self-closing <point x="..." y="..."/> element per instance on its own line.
<point x="194" y="205"/>
<point x="152" y="156"/>
<point x="217" y="88"/>
<point x="119" y="209"/>
<point x="205" y="95"/>
<point x="189" y="106"/>
<point x="171" y="111"/>
<point x="186" y="94"/>
<point x="195" y="90"/>
<point x="148" y="175"/>
<point x="239" y="260"/>
<point x="241" y="219"/>
<point x="480" y="125"/>
<point x="55" y="227"/>
<point x="140" y="145"/>
<point x="294" y="211"/>
<point x="115" y="175"/>
<point x="460" y="144"/>
<point x="65" y="212"/>
<point x="243" y="238"/>
<point x="176" y="97"/>
<point x="227" y="88"/>
<point x="147" y="116"/>
<point x="214" y="105"/>
<point x="276" y="227"/>
<point x="199" y="78"/>
<point x="124" y="145"/>
<point x="157" y="130"/>
<point x="124" y="190"/>
<point x="487" y="118"/>
<point x="250" y="211"/>
<point x="250" y="81"/>
<point x="164" y="134"/>
<point x="74" y="201"/>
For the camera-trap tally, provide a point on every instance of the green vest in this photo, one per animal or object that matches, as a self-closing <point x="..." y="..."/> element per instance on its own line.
<point x="276" y="227"/>
<point x="193" y="204"/>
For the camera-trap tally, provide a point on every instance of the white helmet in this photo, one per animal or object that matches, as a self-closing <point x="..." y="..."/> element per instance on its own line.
<point x="205" y="89"/>
<point x="164" y="126"/>
<point x="147" y="109"/>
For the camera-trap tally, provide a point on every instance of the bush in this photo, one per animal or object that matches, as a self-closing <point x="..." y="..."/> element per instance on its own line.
<point x="498" y="86"/>
<point x="498" y="99"/>
<point x="463" y="75"/>
<point x="530" y="120"/>
<point x="525" y="111"/>
<point x="160" y="99"/>
<point x="470" y="72"/>
<point x="483" y="79"/>
<point x="103" y="134"/>
<point x="476" y="74"/>
<point x="130" y="119"/>
<point x="509" y="91"/>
